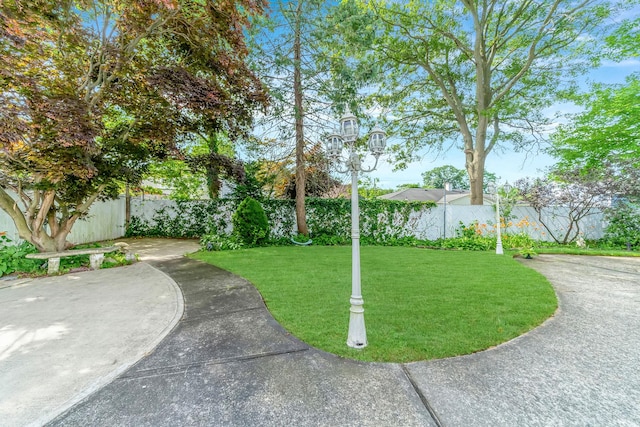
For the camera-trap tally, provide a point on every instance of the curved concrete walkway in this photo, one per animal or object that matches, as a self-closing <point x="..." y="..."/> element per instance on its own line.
<point x="228" y="362"/>
<point x="580" y="368"/>
<point x="64" y="337"/>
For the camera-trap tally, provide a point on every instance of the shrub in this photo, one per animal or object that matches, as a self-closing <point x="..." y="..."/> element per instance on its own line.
<point x="381" y="221"/>
<point x="471" y="231"/>
<point x="217" y="242"/>
<point x="520" y="240"/>
<point x="624" y="225"/>
<point x="326" y="239"/>
<point x="12" y="257"/>
<point x="468" y="238"/>
<point x="467" y="243"/>
<point x="250" y="222"/>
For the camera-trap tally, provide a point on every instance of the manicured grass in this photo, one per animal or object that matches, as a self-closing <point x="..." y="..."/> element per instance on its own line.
<point x="419" y="304"/>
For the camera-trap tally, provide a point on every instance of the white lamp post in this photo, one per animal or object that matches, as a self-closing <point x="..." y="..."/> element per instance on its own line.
<point x="357" y="337"/>
<point x="495" y="189"/>
<point x="447" y="187"/>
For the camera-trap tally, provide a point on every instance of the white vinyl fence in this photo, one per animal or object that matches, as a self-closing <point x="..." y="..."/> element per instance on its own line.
<point x="524" y="219"/>
<point x="106" y="221"/>
<point x="431" y="224"/>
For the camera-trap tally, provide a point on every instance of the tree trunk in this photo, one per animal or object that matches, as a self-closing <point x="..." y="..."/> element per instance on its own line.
<point x="127" y="206"/>
<point x="46" y="243"/>
<point x="213" y="181"/>
<point x="31" y="226"/>
<point x="479" y="155"/>
<point x="474" y="164"/>
<point x="42" y="242"/>
<point x="301" y="212"/>
<point x="476" y="186"/>
<point x="212" y="172"/>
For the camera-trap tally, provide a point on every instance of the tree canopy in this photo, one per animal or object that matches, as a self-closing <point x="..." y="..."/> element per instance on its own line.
<point x="91" y="90"/>
<point x="290" y="54"/>
<point x="581" y="193"/>
<point x="457" y="178"/>
<point x="606" y="131"/>
<point x="478" y="73"/>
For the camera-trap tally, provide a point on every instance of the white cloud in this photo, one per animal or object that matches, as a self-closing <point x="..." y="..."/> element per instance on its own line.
<point x="626" y="63"/>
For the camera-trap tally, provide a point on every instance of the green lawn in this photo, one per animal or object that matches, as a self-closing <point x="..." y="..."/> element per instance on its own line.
<point x="419" y="304"/>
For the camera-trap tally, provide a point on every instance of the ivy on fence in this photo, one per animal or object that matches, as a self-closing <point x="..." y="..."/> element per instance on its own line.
<point x="183" y="218"/>
<point x="329" y="220"/>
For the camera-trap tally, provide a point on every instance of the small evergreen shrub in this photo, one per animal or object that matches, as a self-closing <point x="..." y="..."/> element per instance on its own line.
<point x="624" y="226"/>
<point x="250" y="222"/>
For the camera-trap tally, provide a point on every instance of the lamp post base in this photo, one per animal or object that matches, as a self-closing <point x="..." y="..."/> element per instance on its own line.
<point x="357" y="337"/>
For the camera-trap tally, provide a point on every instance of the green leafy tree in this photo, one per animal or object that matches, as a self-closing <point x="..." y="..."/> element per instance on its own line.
<point x="475" y="72"/>
<point x="607" y="130"/>
<point x="623" y="224"/>
<point x="368" y="188"/>
<point x="624" y="42"/>
<point x="408" y="185"/>
<point x="92" y="90"/>
<point x="176" y="176"/>
<point x="251" y="186"/>
<point x="458" y="178"/>
<point x="581" y="193"/>
<point x="286" y="51"/>
<point x="437" y="177"/>
<point x="213" y="156"/>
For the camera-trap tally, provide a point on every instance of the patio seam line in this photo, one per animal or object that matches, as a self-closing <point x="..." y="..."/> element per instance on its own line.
<point x="176" y="369"/>
<point x="422" y="397"/>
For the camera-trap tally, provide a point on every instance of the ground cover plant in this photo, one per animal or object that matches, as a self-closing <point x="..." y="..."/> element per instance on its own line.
<point x="419" y="304"/>
<point x="13" y="259"/>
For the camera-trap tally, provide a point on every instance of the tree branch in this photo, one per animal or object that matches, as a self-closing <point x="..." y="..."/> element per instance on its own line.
<point x="9" y="205"/>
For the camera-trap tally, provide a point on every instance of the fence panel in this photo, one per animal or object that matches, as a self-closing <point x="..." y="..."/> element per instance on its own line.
<point x="435" y="223"/>
<point x="105" y="222"/>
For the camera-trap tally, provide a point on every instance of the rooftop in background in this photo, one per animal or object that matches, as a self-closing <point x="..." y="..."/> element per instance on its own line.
<point x="454" y="197"/>
<point x="425" y="195"/>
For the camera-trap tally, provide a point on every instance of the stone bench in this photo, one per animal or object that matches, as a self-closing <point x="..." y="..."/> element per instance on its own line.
<point x="96" y="256"/>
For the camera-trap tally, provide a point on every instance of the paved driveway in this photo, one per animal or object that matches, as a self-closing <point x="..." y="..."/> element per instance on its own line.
<point x="228" y="363"/>
<point x="580" y="368"/>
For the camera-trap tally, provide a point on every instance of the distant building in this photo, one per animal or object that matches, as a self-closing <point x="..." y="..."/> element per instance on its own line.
<point x="454" y="197"/>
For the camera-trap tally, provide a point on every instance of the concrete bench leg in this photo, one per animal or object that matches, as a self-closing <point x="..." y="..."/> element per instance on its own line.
<point x="96" y="261"/>
<point x="53" y="265"/>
